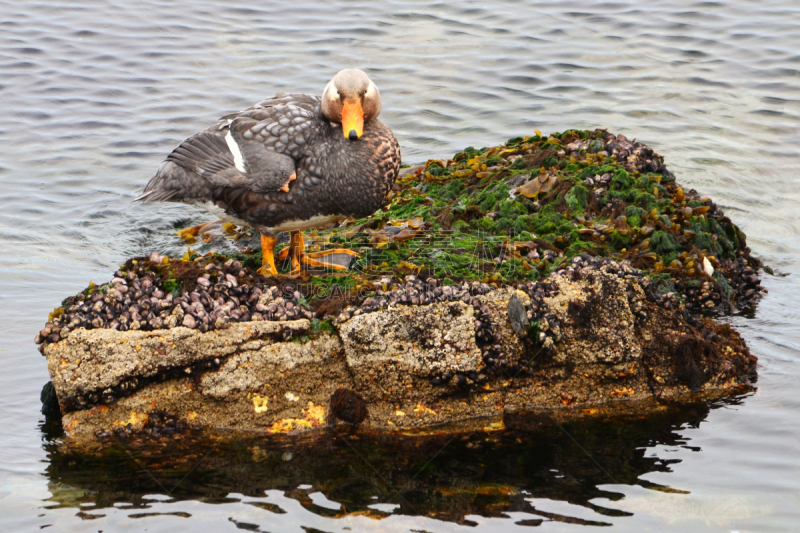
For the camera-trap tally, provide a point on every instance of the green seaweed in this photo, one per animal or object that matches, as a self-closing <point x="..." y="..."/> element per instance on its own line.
<point x="727" y="290"/>
<point x="328" y="286"/>
<point x="172" y="285"/>
<point x="703" y="241"/>
<point x="619" y="241"/>
<point x="663" y="243"/>
<point x="635" y="215"/>
<point x="577" y="198"/>
<point x="467" y="213"/>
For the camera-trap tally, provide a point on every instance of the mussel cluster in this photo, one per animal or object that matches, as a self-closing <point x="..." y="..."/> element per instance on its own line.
<point x="143" y="296"/>
<point x="739" y="289"/>
<point x="415" y="292"/>
<point x="634" y="155"/>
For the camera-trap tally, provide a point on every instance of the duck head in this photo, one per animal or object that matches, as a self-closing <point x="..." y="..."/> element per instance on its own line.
<point x="351" y="99"/>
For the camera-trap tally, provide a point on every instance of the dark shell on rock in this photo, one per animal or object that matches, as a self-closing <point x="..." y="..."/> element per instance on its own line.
<point x="347" y="406"/>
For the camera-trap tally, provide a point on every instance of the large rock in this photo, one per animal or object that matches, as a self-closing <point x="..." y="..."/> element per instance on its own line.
<point x="595" y="340"/>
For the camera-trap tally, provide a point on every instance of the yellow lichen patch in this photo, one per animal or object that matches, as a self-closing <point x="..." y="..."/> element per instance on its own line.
<point x="260" y="403"/>
<point x="98" y="410"/>
<point x="136" y="420"/>
<point x="624" y="391"/>
<point x="421" y="408"/>
<point x="314" y="417"/>
<point x="191" y="415"/>
<point x="315" y="414"/>
<point x="72" y="424"/>
<point x="288" y="425"/>
<point x="399" y="413"/>
<point x="495" y="426"/>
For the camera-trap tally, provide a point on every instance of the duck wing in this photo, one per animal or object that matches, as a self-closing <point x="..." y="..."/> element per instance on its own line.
<point x="264" y="169"/>
<point x="206" y="154"/>
<point x="231" y="161"/>
<point x="254" y="150"/>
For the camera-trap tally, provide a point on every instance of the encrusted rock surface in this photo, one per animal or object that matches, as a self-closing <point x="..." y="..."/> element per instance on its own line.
<point x="394" y="353"/>
<point x="599" y="341"/>
<point x="599" y="307"/>
<point x="94" y="365"/>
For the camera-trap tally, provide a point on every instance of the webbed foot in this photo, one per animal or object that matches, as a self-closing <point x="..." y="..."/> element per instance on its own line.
<point x="300" y="258"/>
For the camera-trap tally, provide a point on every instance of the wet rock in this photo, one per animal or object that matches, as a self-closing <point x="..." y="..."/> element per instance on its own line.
<point x="395" y="352"/>
<point x="215" y="344"/>
<point x="91" y="361"/>
<point x="412" y="365"/>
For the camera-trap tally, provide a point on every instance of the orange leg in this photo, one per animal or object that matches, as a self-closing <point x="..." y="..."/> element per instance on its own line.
<point x="268" y="243"/>
<point x="296" y="249"/>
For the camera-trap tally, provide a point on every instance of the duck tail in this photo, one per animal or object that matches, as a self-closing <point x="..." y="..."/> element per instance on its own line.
<point x="167" y="185"/>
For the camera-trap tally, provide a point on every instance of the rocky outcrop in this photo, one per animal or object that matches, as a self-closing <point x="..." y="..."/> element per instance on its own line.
<point x="567" y="272"/>
<point x="592" y="339"/>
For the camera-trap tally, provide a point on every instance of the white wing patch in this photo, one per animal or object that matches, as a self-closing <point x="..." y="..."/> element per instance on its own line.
<point x="238" y="160"/>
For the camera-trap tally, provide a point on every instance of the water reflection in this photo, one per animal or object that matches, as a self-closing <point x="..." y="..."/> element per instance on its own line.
<point x="535" y="471"/>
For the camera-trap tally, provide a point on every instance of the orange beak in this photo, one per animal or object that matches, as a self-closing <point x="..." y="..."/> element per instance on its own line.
<point x="353" y="120"/>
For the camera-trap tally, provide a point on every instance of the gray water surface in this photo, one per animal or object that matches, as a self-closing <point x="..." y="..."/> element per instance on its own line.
<point x="93" y="95"/>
